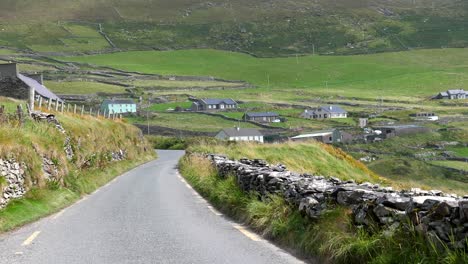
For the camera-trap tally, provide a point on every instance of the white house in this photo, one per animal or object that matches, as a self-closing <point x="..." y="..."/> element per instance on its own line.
<point x="452" y="94"/>
<point x="240" y="134"/>
<point x="323" y="112"/>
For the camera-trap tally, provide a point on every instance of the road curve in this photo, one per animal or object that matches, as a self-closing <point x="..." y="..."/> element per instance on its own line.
<point x="147" y="215"/>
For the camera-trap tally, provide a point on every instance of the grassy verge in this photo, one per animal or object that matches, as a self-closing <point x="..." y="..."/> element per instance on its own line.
<point x="331" y="239"/>
<point x="304" y="157"/>
<point x="39" y="203"/>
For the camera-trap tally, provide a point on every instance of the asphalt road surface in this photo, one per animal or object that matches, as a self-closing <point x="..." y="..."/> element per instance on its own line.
<point x="148" y="215"/>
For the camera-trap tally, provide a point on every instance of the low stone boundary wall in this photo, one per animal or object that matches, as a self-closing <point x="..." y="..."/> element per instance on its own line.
<point x="13" y="185"/>
<point x="432" y="212"/>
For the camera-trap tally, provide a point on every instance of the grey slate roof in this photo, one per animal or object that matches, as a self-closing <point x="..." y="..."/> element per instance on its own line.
<point x="457" y="91"/>
<point x="242" y="132"/>
<point x="262" y="114"/>
<point x="215" y="101"/>
<point x="40" y="89"/>
<point x="334" y="109"/>
<point x="118" y="101"/>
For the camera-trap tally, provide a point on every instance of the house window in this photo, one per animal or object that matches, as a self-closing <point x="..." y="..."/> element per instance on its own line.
<point x="251" y="138"/>
<point x="209" y="106"/>
<point x="256" y="138"/>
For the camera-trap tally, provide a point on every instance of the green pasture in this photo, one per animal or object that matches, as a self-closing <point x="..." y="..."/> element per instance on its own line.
<point x="191" y="122"/>
<point x="166" y="106"/>
<point x="179" y="84"/>
<point x="83" y="87"/>
<point x="409" y="76"/>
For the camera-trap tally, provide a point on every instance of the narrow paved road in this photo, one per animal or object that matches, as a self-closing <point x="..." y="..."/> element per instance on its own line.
<point x="148" y="215"/>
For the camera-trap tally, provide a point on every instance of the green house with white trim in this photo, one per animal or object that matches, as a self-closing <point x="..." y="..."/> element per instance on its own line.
<point x="118" y="106"/>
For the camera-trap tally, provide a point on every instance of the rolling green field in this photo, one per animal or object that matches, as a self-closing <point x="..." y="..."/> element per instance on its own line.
<point x="191" y="122"/>
<point x="414" y="75"/>
<point x="179" y="84"/>
<point x="83" y="87"/>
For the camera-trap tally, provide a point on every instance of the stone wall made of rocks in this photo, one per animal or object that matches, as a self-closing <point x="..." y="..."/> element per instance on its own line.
<point x="13" y="185"/>
<point x="433" y="212"/>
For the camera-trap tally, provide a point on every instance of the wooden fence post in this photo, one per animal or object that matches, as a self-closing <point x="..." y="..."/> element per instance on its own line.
<point x="19" y="112"/>
<point x="49" y="103"/>
<point x="74" y="110"/>
<point x="40" y="101"/>
<point x="82" y="110"/>
<point x="61" y="107"/>
<point x="56" y="105"/>
<point x="98" y="112"/>
<point x="91" y="111"/>
<point x="2" y="110"/>
<point x="68" y="108"/>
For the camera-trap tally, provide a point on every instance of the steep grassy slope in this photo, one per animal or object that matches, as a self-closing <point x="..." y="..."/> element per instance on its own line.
<point x="411" y="74"/>
<point x="92" y="140"/>
<point x="264" y="27"/>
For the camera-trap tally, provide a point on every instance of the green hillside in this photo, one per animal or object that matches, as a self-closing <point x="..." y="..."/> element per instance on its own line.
<point x="265" y="28"/>
<point x="412" y="75"/>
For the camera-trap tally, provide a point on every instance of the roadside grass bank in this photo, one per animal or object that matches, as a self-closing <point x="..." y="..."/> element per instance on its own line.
<point x="55" y="167"/>
<point x="303" y="157"/>
<point x="39" y="203"/>
<point x="332" y="238"/>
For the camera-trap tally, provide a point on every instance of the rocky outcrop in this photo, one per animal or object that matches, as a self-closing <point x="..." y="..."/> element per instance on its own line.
<point x="432" y="212"/>
<point x="12" y="175"/>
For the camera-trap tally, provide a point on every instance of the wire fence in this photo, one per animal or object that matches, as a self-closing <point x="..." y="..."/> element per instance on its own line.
<point x="50" y="107"/>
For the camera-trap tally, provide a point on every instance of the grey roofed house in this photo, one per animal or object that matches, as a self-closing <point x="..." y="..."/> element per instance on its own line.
<point x="262" y="117"/>
<point x="119" y="101"/>
<point x="213" y="104"/>
<point x="261" y="114"/>
<point x="39" y="88"/>
<point x="218" y="101"/>
<point x="16" y="85"/>
<point x="328" y="111"/>
<point x="240" y="134"/>
<point x="452" y="94"/>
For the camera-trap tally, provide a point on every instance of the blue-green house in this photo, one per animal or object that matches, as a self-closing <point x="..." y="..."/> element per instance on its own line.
<point x="118" y="106"/>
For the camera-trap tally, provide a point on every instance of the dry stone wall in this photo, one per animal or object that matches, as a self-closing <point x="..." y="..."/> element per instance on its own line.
<point x="434" y="213"/>
<point x="13" y="185"/>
